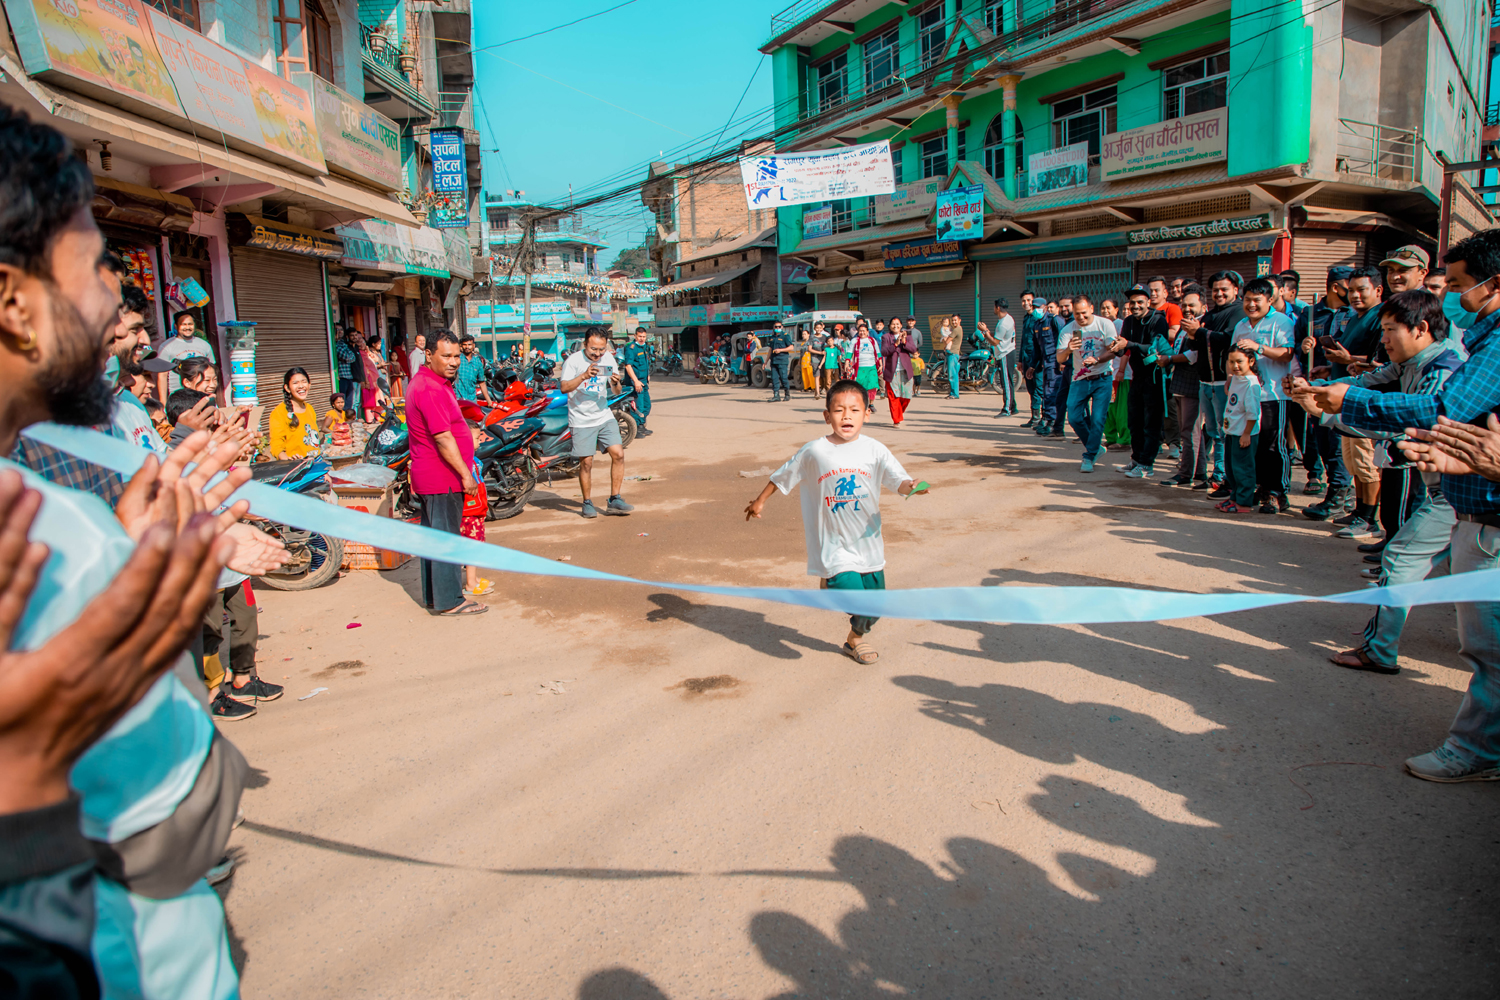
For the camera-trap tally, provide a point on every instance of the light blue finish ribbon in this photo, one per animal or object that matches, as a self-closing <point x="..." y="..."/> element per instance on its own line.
<point x="1017" y="605"/>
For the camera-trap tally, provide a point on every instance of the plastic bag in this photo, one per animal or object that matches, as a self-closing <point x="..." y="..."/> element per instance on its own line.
<point x="374" y="477"/>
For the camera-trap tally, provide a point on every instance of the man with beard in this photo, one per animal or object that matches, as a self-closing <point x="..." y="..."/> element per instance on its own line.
<point x="104" y="630"/>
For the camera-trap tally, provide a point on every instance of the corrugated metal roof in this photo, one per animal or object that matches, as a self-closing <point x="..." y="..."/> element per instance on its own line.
<point x="707" y="281"/>
<point x="765" y="237"/>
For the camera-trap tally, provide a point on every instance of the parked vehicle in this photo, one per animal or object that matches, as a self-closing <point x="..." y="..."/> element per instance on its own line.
<point x="713" y="367"/>
<point x="976" y="372"/>
<point x="313" y="558"/>
<point x="669" y="364"/>
<point x="388" y="447"/>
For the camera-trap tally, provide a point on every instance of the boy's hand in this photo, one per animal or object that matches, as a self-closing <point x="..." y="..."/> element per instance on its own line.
<point x="1245" y="440"/>
<point x="754" y="507"/>
<point x="913" y="488"/>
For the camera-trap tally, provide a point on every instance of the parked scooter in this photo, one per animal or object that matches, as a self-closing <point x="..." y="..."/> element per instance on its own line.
<point x="313" y="558"/>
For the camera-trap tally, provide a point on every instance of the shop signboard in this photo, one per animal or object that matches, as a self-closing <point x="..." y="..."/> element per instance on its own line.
<point x="358" y="141"/>
<point x="450" y="180"/>
<point x="672" y="315"/>
<point x="908" y="201"/>
<point x="382" y="246"/>
<point x="755" y="314"/>
<point x="1190" y="141"/>
<point x="794" y="273"/>
<point x="1196" y="230"/>
<point x="1058" y="169"/>
<point x="271" y="235"/>
<point x="718" y="313"/>
<point x="460" y="261"/>
<point x="817" y="222"/>
<point x="1205" y="248"/>
<point x="960" y="213"/>
<point x="919" y="252"/>
<point x="821" y="175"/>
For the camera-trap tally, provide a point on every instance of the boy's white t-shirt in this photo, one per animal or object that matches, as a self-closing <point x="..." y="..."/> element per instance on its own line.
<point x="588" y="405"/>
<point x="841" y="486"/>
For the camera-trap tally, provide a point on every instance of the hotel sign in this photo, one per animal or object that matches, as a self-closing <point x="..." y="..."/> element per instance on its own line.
<point x="1177" y="144"/>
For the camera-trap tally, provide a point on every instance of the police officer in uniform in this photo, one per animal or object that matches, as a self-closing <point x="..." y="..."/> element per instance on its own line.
<point x="636" y="360"/>
<point x="781" y="364"/>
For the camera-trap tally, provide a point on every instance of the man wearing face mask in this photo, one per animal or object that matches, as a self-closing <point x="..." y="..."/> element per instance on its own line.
<point x="1470" y="395"/>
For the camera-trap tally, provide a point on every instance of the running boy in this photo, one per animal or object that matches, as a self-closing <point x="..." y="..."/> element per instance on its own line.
<point x="842" y="475"/>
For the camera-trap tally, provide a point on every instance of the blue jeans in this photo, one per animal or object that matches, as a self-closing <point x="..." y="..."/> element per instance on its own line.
<point x="1088" y="406"/>
<point x="1475" y="733"/>
<point x="1212" y="399"/>
<point x="1417" y="551"/>
<point x="953" y="360"/>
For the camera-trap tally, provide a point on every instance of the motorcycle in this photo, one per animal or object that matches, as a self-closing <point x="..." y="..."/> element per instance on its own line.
<point x="976" y="371"/>
<point x="313" y="558"/>
<point x="713" y="367"/>
<point x="669" y="365"/>
<point x="388" y="446"/>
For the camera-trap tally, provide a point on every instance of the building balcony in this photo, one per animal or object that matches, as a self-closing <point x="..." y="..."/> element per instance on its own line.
<point x="388" y="70"/>
<point x="1379" y="151"/>
<point x="807" y="22"/>
<point x="456" y="110"/>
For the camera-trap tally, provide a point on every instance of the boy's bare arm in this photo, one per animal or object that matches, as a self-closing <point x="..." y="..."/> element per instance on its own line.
<point x="757" y="505"/>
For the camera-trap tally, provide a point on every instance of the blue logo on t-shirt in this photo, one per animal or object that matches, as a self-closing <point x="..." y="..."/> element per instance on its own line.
<point x="846" y="487"/>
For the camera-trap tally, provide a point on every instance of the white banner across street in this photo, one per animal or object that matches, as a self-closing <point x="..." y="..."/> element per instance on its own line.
<point x="822" y="175"/>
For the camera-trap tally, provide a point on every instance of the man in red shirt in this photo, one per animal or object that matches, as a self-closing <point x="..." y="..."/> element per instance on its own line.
<point x="442" y="459"/>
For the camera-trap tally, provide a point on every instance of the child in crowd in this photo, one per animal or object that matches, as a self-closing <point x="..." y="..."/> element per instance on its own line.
<point x="1241" y="429"/>
<point x="842" y="475"/>
<point x="158" y="415"/>
<point x="472" y="524"/>
<point x="336" y="422"/>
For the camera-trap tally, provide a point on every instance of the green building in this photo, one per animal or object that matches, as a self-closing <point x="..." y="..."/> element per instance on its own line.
<point x="1116" y="139"/>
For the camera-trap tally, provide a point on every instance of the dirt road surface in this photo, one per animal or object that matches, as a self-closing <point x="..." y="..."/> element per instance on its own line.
<point x="609" y="792"/>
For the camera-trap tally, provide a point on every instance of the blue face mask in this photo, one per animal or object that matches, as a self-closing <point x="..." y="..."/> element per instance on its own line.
<point x="1037" y="313"/>
<point x="112" y="368"/>
<point x="1458" y="316"/>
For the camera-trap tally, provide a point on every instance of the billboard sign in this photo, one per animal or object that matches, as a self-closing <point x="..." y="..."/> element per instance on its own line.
<point x="450" y="180"/>
<point x="1058" y="169"/>
<point x="960" y="213"/>
<point x="1170" y="145"/>
<point x="908" y="201"/>
<point x="817" y="222"/>
<point x="822" y="175"/>
<point x="918" y="252"/>
<point x="358" y="141"/>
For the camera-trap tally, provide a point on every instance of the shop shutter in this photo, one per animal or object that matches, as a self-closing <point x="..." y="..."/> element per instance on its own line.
<point x="1097" y="276"/>
<point x="1199" y="269"/>
<point x="1001" y="279"/>
<point x="833" y="300"/>
<point x="284" y="294"/>
<point x="1314" y="251"/>
<point x="885" y="301"/>
<point x="943" y="298"/>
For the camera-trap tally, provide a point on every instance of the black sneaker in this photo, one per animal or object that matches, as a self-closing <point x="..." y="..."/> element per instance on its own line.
<point x="1283" y="503"/>
<point x="1374" y="557"/>
<point x="259" y="690"/>
<point x="1219" y="492"/>
<point x="1347" y="519"/>
<point x="1319" y="511"/>
<point x="1269" y="506"/>
<point x="1176" y="481"/>
<point x="1368" y="547"/>
<point x="226" y="709"/>
<point x="1201" y="484"/>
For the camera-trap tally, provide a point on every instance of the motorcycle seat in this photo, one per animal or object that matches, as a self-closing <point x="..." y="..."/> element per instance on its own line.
<point x="262" y="472"/>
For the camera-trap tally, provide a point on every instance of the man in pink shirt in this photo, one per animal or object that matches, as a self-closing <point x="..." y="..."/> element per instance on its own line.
<point x="442" y="459"/>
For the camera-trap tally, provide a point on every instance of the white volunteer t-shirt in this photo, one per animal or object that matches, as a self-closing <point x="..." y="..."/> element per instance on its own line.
<point x="1097" y="335"/>
<point x="1005" y="332"/>
<point x="588" y="405"/>
<point x="177" y="348"/>
<point x="841" y="486"/>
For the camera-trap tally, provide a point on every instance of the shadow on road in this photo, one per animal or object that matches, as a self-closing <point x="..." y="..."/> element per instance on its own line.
<point x="748" y="628"/>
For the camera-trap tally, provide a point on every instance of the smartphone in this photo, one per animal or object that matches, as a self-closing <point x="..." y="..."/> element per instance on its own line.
<point x="1326" y="342"/>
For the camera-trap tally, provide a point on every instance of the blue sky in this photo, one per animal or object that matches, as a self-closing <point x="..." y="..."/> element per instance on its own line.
<point x="680" y="64"/>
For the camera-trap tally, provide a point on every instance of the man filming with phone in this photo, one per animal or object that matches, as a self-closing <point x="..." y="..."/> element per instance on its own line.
<point x="588" y="377"/>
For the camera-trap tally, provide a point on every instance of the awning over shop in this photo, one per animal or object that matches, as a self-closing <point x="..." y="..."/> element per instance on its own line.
<point x="1205" y="248"/>
<point x="873" y="280"/>
<point x="181" y="163"/>
<point x="709" y="281"/>
<point x="935" y="274"/>
<point x="824" y="287"/>
<point x="380" y="246"/>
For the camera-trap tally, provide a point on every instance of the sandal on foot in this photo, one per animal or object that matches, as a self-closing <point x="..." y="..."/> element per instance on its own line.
<point x="1228" y="507"/>
<point x="861" y="652"/>
<point x="466" y="608"/>
<point x="1356" y="659"/>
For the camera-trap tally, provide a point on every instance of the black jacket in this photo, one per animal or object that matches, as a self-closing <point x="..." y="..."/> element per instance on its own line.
<point x="1213" y="340"/>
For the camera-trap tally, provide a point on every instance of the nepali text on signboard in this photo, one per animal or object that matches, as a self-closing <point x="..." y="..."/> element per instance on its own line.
<point x="1205" y="248"/>
<point x="921" y="252"/>
<point x="908" y="201"/>
<point x="960" y="213"/>
<point x="1170" y="145"/>
<point x="381" y="246"/>
<point x="817" y="222"/>
<point x="1058" y="169"/>
<point x="358" y="141"/>
<point x="270" y="236"/>
<point x="754" y="314"/>
<point x="1196" y="230"/>
<point x="825" y="175"/>
<point x="450" y="180"/>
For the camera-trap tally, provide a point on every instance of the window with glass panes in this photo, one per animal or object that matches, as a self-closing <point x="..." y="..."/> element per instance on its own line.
<point x="994" y="15"/>
<point x="319" y="40"/>
<point x="932" y="32"/>
<point x="181" y="11"/>
<point x="994" y="148"/>
<point x="934" y="153"/>
<point x="288" y="36"/>
<point x="1085" y="118"/>
<point x="832" y="80"/>
<point x="882" y="59"/>
<point x="1200" y="85"/>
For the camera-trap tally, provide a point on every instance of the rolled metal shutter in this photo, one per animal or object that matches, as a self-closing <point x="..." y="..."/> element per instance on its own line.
<point x="1314" y="251"/>
<point x="885" y="301"/>
<point x="1001" y="279"/>
<point x="285" y="295"/>
<point x="944" y="299"/>
<point x="1097" y="276"/>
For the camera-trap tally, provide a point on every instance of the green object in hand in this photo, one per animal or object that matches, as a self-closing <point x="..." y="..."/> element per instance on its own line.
<point x="919" y="487"/>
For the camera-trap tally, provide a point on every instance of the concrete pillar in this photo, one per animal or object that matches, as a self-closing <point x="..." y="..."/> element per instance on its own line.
<point x="1008" y="128"/>
<point x="951" y="102"/>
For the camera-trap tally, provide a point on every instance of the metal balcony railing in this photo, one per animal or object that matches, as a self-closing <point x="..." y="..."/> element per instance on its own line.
<point x="1378" y="151"/>
<point x="456" y="108"/>
<point x="385" y="52"/>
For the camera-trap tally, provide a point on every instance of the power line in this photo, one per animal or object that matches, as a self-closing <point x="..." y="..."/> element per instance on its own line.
<point x="556" y="27"/>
